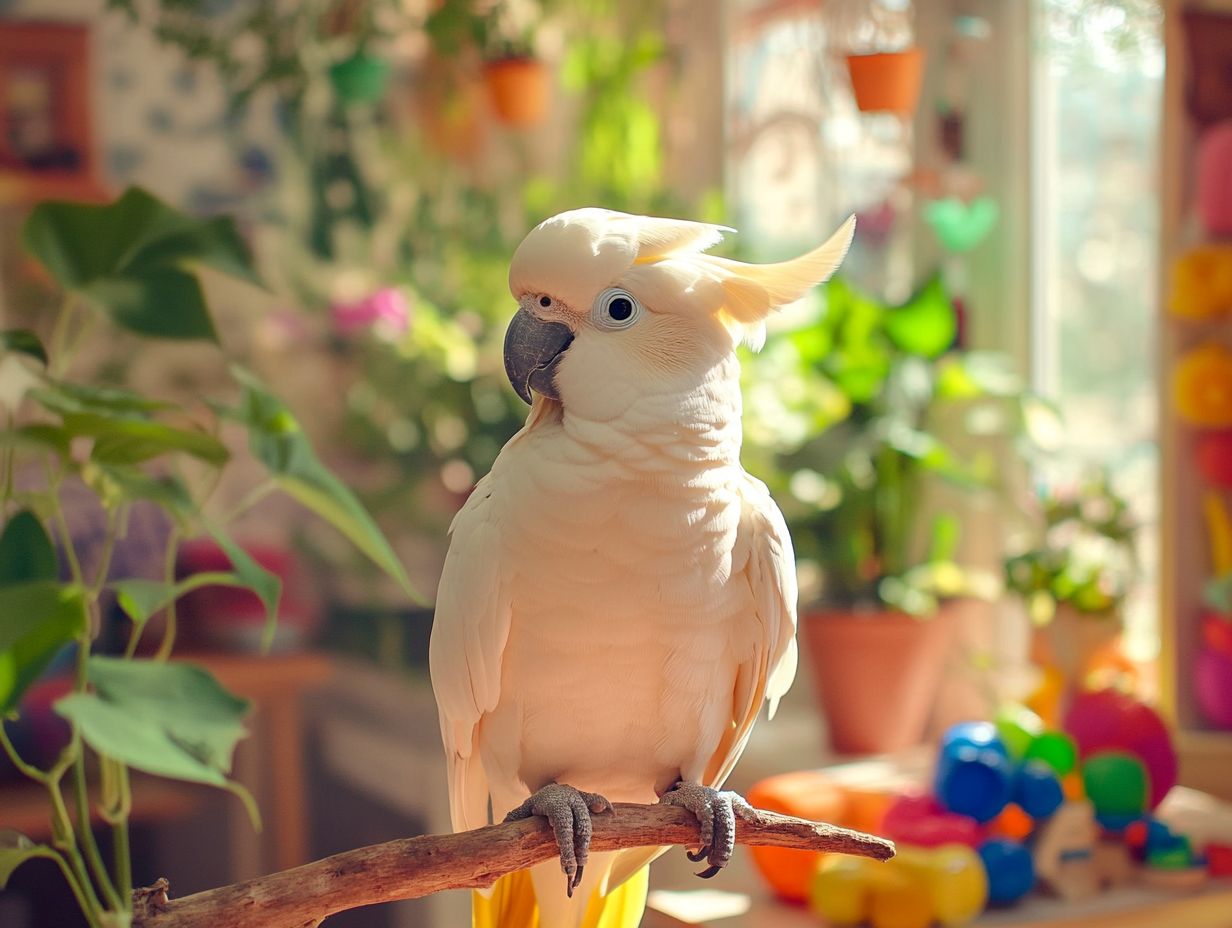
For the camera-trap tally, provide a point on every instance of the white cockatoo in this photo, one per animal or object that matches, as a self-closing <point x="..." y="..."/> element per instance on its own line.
<point x="619" y="596"/>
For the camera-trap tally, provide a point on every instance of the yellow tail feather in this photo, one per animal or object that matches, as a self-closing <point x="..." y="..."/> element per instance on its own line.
<point x="512" y="904"/>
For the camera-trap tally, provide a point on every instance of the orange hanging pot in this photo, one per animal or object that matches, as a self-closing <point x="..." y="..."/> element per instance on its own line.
<point x="518" y="89"/>
<point x="887" y="82"/>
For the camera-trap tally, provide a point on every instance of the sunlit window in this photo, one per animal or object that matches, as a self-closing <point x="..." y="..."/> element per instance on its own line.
<point x="1097" y="76"/>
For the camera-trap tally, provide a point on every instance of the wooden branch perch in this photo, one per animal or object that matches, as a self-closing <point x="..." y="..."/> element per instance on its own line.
<point x="413" y="867"/>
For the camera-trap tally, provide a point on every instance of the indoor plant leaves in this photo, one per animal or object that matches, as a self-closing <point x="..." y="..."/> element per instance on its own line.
<point x="168" y="719"/>
<point x="133" y="258"/>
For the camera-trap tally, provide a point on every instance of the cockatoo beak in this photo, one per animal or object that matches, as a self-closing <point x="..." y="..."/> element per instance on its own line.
<point x="533" y="348"/>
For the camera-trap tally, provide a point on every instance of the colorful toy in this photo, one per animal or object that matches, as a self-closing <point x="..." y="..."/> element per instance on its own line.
<point x="1202" y="385"/>
<point x="808" y="794"/>
<point x="1018" y="727"/>
<point x="1216" y="629"/>
<point x="918" y="887"/>
<point x="1219" y="859"/>
<point x="923" y="822"/>
<point x="1056" y="749"/>
<point x="1111" y="721"/>
<point x="974" y="781"/>
<point x="1012" y="823"/>
<point x="1064" y="852"/>
<point x="1011" y="872"/>
<point x="1118" y="786"/>
<point x="1037" y="790"/>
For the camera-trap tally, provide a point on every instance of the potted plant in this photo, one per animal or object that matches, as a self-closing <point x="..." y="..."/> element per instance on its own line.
<point x="854" y="466"/>
<point x="1074" y="575"/>
<point x="887" y="82"/>
<point x="71" y="440"/>
<point x="517" y="81"/>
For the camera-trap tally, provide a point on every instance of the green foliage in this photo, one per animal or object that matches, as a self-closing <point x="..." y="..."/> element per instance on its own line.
<point x="856" y="439"/>
<point x="168" y="719"/>
<point x="133" y="262"/>
<point x="1084" y="554"/>
<point x="134" y="258"/>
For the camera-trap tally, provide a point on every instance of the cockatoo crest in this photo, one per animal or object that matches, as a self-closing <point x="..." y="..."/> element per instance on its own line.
<point x="577" y="254"/>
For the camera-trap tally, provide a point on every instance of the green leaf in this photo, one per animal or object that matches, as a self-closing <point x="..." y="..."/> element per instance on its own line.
<point x="39" y="437"/>
<point x="164" y="303"/>
<point x="25" y="342"/>
<point x="131" y="441"/>
<point x="62" y="397"/>
<point x="961" y="226"/>
<point x="132" y="258"/>
<point x="141" y="599"/>
<point x="278" y="442"/>
<point x="36" y="621"/>
<point x="26" y="552"/>
<point x="926" y="324"/>
<point x="15" y="850"/>
<point x="168" y="719"/>
<point x="250" y="574"/>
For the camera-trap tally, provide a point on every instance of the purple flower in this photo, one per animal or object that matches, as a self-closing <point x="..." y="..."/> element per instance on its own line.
<point x="386" y="310"/>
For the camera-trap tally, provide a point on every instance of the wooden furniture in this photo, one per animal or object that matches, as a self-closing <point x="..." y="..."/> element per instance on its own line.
<point x="1205" y="753"/>
<point x="270" y="763"/>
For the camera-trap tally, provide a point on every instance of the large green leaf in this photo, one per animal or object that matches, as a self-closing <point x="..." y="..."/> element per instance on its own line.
<point x="278" y="442"/>
<point x="36" y="621"/>
<point x="15" y="850"/>
<point x="131" y="441"/>
<point x="163" y="302"/>
<point x="132" y="257"/>
<point x="26" y="552"/>
<point x="168" y="719"/>
<point x="25" y="342"/>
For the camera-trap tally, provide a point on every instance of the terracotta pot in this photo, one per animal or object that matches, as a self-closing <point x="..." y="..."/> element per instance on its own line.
<point x="518" y="89"/>
<point x="876" y="675"/>
<point x="1075" y="643"/>
<point x="887" y="82"/>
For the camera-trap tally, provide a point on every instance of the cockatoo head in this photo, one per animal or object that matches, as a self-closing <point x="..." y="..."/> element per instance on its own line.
<point x="611" y="306"/>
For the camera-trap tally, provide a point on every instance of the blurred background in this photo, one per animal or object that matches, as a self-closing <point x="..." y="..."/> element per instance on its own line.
<point x="963" y="428"/>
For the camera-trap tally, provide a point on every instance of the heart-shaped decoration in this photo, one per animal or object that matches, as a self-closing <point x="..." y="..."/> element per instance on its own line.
<point x="961" y="226"/>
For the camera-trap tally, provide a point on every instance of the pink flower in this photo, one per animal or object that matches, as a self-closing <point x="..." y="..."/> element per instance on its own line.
<point x="386" y="310"/>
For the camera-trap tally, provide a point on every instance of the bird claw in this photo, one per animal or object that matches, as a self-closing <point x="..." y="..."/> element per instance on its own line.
<point x="716" y="812"/>
<point x="568" y="811"/>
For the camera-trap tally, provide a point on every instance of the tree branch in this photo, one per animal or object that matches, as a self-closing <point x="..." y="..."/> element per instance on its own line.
<point x="413" y="867"/>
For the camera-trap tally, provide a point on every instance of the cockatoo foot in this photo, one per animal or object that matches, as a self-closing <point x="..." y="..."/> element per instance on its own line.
<point x="716" y="811"/>
<point x="568" y="811"/>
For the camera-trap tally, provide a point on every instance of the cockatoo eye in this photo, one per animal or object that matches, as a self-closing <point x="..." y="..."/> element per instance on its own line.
<point x="616" y="309"/>
<point x="545" y="301"/>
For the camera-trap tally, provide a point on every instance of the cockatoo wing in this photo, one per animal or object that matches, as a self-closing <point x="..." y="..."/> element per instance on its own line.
<point x="763" y="558"/>
<point x="763" y="547"/>
<point x="469" y="633"/>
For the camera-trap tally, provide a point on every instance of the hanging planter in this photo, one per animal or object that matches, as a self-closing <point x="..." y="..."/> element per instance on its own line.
<point x="518" y="89"/>
<point x="887" y="82"/>
<point x="360" y="78"/>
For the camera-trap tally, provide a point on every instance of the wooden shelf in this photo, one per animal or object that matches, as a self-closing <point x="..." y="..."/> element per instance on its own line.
<point x="1205" y="754"/>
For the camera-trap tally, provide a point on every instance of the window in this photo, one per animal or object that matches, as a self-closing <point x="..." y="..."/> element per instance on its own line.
<point x="1096" y="84"/>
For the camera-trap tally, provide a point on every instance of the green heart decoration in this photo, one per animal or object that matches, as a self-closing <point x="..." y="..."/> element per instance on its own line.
<point x="961" y="226"/>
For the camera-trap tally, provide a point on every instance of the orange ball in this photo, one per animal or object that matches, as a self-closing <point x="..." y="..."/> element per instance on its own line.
<point x="807" y="794"/>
